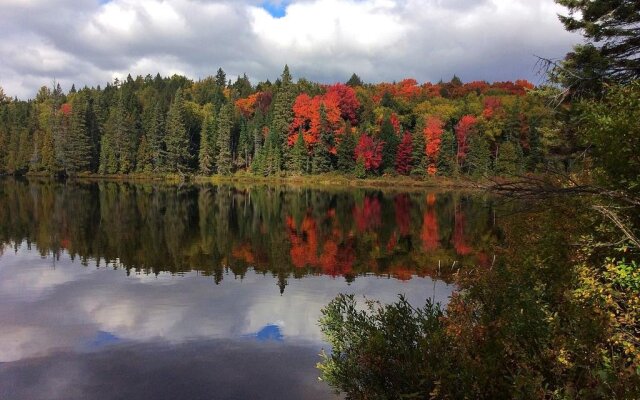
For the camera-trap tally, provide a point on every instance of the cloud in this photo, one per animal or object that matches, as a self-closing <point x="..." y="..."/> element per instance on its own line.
<point x="90" y="42"/>
<point x="45" y="310"/>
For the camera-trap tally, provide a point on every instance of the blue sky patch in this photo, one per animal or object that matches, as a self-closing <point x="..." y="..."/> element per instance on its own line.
<point x="277" y="9"/>
<point x="270" y="332"/>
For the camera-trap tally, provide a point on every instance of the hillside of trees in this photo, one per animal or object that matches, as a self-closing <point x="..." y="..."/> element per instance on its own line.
<point x="159" y="125"/>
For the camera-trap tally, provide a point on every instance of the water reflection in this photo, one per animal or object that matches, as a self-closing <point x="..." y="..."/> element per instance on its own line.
<point x="283" y="231"/>
<point x="46" y="308"/>
<point x="191" y="288"/>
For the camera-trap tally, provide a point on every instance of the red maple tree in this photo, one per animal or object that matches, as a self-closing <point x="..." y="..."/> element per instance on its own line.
<point x="370" y="151"/>
<point x="464" y="129"/>
<point x="403" y="155"/>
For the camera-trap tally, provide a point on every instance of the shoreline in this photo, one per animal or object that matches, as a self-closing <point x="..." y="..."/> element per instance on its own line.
<point x="321" y="181"/>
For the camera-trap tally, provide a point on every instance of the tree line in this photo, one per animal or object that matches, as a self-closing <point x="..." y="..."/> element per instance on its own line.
<point x="169" y="125"/>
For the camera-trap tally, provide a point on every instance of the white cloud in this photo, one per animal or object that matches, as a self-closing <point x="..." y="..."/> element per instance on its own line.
<point x="45" y="310"/>
<point x="88" y="42"/>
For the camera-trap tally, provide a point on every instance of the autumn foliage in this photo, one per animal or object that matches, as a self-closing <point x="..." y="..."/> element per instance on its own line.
<point x="433" y="137"/>
<point x="464" y="129"/>
<point x="307" y="118"/>
<point x="403" y="155"/>
<point x="370" y="151"/>
<point x="346" y="99"/>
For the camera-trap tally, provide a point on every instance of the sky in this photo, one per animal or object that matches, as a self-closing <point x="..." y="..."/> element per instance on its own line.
<point x="91" y="42"/>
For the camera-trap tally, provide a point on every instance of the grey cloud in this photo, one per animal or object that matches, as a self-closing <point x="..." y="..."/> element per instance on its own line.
<point x="89" y="43"/>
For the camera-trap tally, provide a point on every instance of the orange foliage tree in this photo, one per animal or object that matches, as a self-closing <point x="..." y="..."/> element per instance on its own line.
<point x="464" y="129"/>
<point x="434" y="127"/>
<point x="307" y="118"/>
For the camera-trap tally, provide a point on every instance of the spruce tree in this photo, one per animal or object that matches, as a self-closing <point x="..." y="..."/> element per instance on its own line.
<point x="118" y="142"/>
<point x="390" y="138"/>
<point x="283" y="112"/>
<point x="155" y="139"/>
<point x="346" y="149"/>
<point x="176" y="137"/>
<point x="223" y="159"/>
<point x="478" y="160"/>
<point x="144" y="158"/>
<point x="322" y="159"/>
<point x="418" y="148"/>
<point x="207" y="154"/>
<point x="360" y="170"/>
<point x="508" y="160"/>
<point x="447" y="165"/>
<point x="77" y="150"/>
<point x="299" y="155"/>
<point x="245" y="143"/>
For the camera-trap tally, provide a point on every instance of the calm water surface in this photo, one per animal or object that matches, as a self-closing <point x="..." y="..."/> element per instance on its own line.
<point x="111" y="290"/>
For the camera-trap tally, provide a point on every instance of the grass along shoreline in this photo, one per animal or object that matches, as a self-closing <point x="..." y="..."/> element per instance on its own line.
<point x="323" y="180"/>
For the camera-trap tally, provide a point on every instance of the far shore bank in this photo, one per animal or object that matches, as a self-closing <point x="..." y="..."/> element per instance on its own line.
<point x="325" y="180"/>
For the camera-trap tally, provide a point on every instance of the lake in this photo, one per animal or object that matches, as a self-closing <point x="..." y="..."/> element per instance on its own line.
<point x="120" y="290"/>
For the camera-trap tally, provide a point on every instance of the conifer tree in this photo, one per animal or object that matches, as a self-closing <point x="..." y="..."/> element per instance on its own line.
<point x="299" y="155"/>
<point x="283" y="112"/>
<point x="77" y="151"/>
<point x="447" y="165"/>
<point x="507" y="160"/>
<point x="346" y="150"/>
<point x="245" y="144"/>
<point x="322" y="158"/>
<point x="360" y="170"/>
<point x="418" y="156"/>
<point x="155" y="138"/>
<point x="223" y="159"/>
<point x="117" y="151"/>
<point x="390" y="138"/>
<point x="207" y="154"/>
<point x="176" y="137"/>
<point x="478" y="160"/>
<point x="271" y="155"/>
<point x="144" y="158"/>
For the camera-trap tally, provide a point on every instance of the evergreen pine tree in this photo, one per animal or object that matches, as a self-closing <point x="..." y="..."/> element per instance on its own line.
<point x="155" y="139"/>
<point x="77" y="150"/>
<point x="207" y="154"/>
<point x="447" y="165"/>
<point x="144" y="158"/>
<point x="245" y="143"/>
<point x="418" y="147"/>
<point x="299" y="155"/>
<point x="346" y="149"/>
<point x="283" y="112"/>
<point x="117" y="149"/>
<point x="322" y="158"/>
<point x="360" y="170"/>
<point x="478" y="160"/>
<point x="223" y="159"/>
<point x="535" y="158"/>
<point x="176" y="137"/>
<point x="508" y="160"/>
<point x="390" y="138"/>
<point x="272" y="158"/>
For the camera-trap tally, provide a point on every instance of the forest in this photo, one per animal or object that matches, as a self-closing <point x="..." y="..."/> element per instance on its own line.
<point x="173" y="125"/>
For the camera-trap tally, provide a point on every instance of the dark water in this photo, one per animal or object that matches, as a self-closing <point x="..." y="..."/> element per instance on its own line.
<point x="111" y="290"/>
